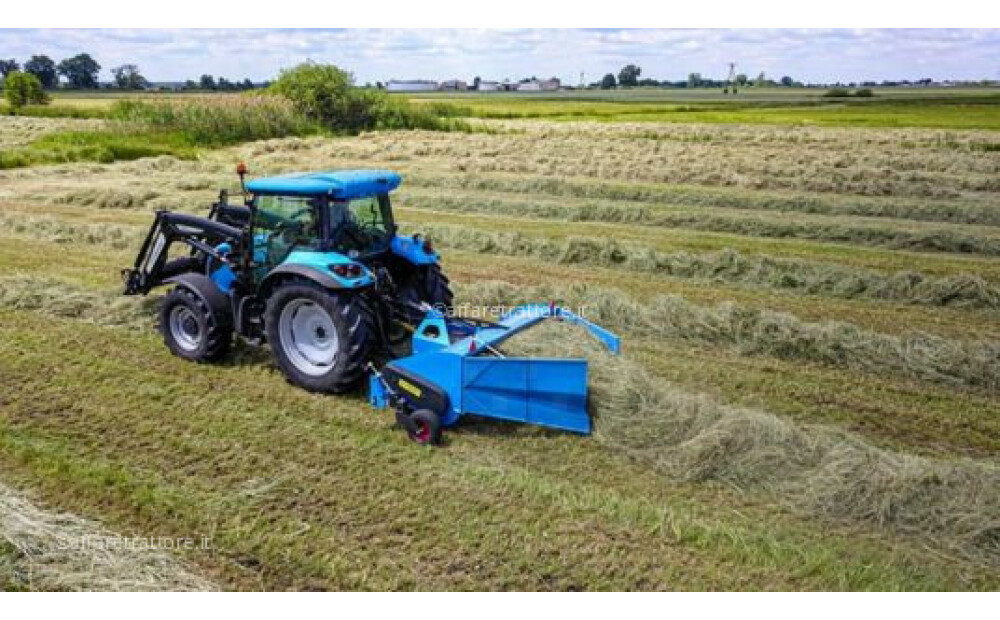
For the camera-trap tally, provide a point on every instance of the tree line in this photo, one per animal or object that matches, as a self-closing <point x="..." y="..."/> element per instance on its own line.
<point x="82" y="72"/>
<point x="629" y="77"/>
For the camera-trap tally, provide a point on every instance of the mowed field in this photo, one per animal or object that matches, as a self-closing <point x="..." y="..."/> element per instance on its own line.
<point x="808" y="396"/>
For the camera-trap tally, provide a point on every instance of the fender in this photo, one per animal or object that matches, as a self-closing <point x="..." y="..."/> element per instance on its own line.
<point x="320" y="277"/>
<point x="206" y="290"/>
<point x="412" y="249"/>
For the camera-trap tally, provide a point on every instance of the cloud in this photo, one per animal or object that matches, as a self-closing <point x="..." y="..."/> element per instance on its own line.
<point x="812" y="55"/>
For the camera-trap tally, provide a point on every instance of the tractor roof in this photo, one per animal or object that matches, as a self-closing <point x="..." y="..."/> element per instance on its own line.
<point x="340" y="184"/>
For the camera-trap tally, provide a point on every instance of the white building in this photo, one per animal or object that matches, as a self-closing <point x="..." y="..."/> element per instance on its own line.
<point x="490" y="86"/>
<point x="410" y="86"/>
<point x="453" y="85"/>
<point x="538" y="85"/>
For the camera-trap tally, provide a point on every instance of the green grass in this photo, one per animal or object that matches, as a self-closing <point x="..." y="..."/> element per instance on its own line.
<point x="96" y="146"/>
<point x="301" y="491"/>
<point x="976" y="109"/>
<point x="57" y="111"/>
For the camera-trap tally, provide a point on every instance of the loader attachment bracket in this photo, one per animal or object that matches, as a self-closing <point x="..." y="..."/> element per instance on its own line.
<point x="200" y="234"/>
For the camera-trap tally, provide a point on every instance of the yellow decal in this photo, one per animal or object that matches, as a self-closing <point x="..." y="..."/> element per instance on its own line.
<point x="409" y="387"/>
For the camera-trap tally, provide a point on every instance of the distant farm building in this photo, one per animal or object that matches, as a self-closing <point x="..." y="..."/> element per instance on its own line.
<point x="490" y="86"/>
<point x="409" y="86"/>
<point x="454" y="85"/>
<point x="539" y="85"/>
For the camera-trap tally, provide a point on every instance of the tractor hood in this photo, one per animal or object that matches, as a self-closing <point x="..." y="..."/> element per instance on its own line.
<point x="338" y="184"/>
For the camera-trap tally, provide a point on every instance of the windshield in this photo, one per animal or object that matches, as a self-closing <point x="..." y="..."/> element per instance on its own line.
<point x="360" y="226"/>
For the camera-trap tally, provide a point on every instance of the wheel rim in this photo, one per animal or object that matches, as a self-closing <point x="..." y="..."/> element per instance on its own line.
<point x="184" y="328"/>
<point x="423" y="431"/>
<point x="308" y="337"/>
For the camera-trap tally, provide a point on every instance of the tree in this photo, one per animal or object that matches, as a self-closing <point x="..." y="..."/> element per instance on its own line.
<point x="608" y="81"/>
<point x="127" y="77"/>
<point x="694" y="80"/>
<point x="629" y="75"/>
<point x="328" y="95"/>
<point x="741" y="79"/>
<point x="207" y="82"/>
<point x="43" y="68"/>
<point x="761" y="80"/>
<point x="246" y="84"/>
<point x="8" y="66"/>
<point x="80" y="71"/>
<point x="787" y="81"/>
<point x="21" y="89"/>
<point x="224" y="84"/>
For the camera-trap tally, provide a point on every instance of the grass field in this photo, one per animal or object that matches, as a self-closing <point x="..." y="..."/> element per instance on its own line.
<point x="898" y="107"/>
<point x="808" y="397"/>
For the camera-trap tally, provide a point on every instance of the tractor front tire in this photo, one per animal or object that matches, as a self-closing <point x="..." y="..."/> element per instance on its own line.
<point x="191" y="330"/>
<point x="321" y="340"/>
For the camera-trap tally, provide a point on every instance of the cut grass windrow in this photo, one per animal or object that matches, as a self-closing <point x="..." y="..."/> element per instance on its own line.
<point x="755" y="331"/>
<point x="784" y="274"/>
<point x="961" y="290"/>
<point x="951" y="211"/>
<point x="53" y="551"/>
<point x="925" y="238"/>
<point x="815" y="470"/>
<point x="57" y="230"/>
<point x="751" y="331"/>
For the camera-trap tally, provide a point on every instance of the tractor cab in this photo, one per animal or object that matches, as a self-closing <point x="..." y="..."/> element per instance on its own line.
<point x="339" y="222"/>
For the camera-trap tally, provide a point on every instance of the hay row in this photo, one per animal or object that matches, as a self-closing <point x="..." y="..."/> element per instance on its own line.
<point x="65" y="552"/>
<point x="60" y="299"/>
<point x="107" y="198"/>
<point x="961" y="290"/>
<point x="755" y="331"/>
<point x="841" y="167"/>
<point x="816" y="471"/>
<point x="750" y="331"/>
<point x="954" y="212"/>
<point x="56" y="230"/>
<point x="924" y="239"/>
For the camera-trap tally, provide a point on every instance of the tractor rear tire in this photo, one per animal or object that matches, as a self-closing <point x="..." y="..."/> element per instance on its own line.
<point x="428" y="285"/>
<point x="322" y="340"/>
<point x="191" y="330"/>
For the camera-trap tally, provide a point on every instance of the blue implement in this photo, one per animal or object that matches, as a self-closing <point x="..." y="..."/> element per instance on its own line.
<point x="456" y="370"/>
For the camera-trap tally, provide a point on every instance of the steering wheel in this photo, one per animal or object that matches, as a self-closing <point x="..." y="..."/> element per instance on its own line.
<point x="355" y="232"/>
<point x="288" y="231"/>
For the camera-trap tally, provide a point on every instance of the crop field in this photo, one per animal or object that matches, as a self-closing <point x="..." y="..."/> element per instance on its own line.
<point x="808" y="396"/>
<point x="900" y="107"/>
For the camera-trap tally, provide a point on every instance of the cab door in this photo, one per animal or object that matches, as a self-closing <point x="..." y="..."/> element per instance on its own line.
<point x="282" y="224"/>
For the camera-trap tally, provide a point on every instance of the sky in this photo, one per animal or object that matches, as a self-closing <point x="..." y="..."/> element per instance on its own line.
<point x="808" y="55"/>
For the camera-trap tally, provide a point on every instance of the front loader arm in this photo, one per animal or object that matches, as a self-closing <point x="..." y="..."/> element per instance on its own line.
<point x="151" y="266"/>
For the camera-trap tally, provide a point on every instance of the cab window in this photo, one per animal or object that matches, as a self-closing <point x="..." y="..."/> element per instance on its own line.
<point x="283" y="223"/>
<point x="360" y="225"/>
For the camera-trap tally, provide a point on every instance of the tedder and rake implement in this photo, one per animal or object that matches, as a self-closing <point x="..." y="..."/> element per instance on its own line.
<point x="311" y="264"/>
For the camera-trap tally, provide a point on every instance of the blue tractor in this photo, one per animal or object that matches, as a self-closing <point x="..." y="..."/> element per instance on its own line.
<point x="306" y="263"/>
<point x="312" y="265"/>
